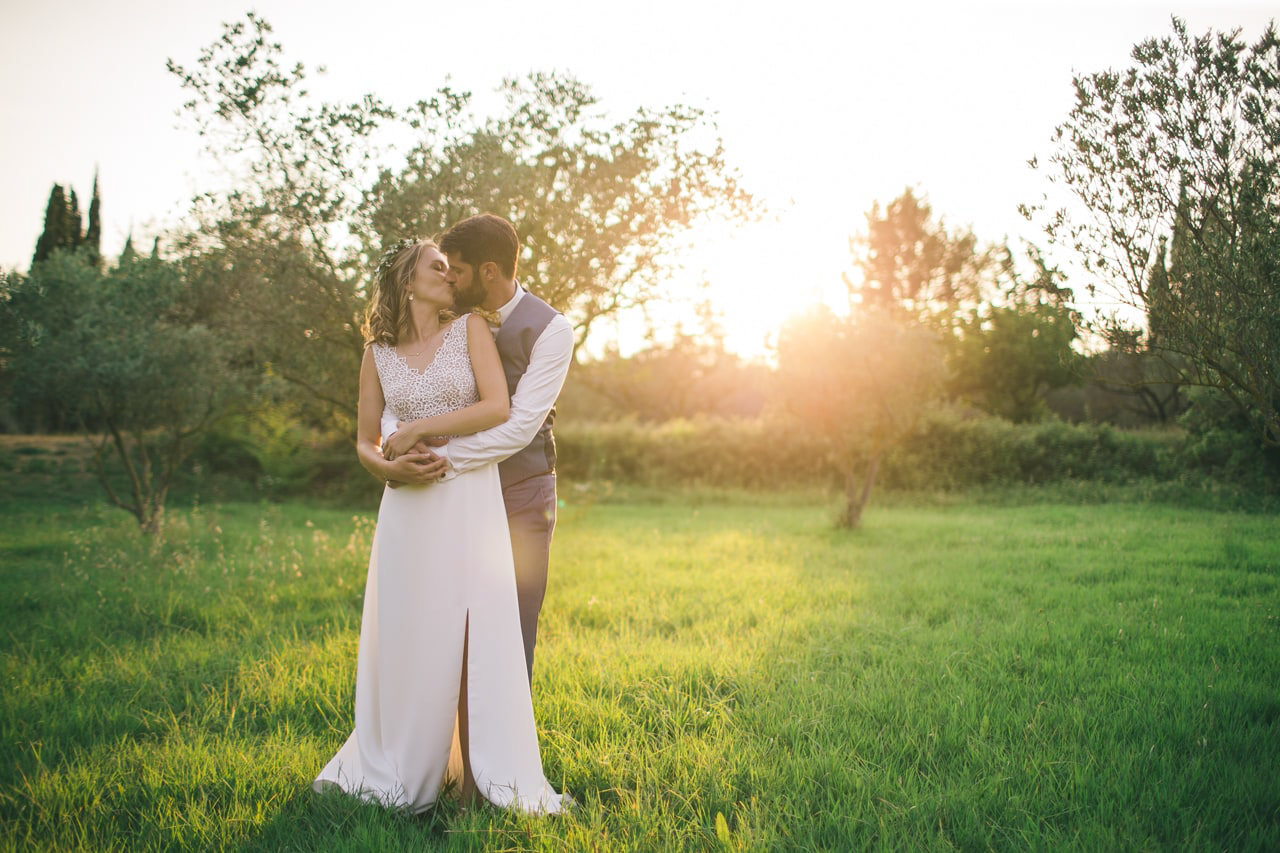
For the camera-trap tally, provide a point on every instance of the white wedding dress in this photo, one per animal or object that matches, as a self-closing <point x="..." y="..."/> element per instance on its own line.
<point x="441" y="569"/>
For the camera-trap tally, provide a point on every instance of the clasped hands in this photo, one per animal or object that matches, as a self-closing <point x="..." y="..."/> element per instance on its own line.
<point x="413" y="461"/>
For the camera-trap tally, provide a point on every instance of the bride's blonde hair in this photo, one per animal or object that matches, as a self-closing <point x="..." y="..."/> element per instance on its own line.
<point x="387" y="319"/>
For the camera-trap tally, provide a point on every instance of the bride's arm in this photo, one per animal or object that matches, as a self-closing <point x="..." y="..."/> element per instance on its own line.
<point x="416" y="468"/>
<point x="491" y="385"/>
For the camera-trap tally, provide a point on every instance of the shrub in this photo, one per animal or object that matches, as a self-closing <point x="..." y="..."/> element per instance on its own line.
<point x="1223" y="443"/>
<point x="948" y="451"/>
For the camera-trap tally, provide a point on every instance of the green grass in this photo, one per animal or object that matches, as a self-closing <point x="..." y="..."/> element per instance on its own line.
<point x="958" y="674"/>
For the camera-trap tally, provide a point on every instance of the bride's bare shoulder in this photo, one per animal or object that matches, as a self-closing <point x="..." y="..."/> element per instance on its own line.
<point x="368" y="362"/>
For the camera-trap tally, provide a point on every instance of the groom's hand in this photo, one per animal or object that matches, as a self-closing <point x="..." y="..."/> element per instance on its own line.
<point x="427" y="467"/>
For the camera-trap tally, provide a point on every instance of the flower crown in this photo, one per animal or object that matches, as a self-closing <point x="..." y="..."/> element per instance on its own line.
<point x="389" y="256"/>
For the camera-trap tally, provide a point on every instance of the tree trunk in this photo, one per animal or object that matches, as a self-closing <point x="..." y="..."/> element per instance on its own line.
<point x="147" y="504"/>
<point x="154" y="520"/>
<point x="858" y="493"/>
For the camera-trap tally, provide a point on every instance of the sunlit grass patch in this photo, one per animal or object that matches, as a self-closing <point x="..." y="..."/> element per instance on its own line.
<point x="709" y="674"/>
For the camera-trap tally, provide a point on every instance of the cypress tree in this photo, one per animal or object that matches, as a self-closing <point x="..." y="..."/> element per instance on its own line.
<point x="1178" y="241"/>
<point x="93" y="234"/>
<point x="127" y="254"/>
<point x="55" y="225"/>
<point x="74" y="235"/>
<point x="1158" y="297"/>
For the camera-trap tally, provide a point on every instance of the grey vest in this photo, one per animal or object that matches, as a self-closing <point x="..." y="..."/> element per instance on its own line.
<point x="515" y="340"/>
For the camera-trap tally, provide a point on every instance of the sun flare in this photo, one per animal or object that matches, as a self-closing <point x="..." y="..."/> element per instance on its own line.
<point x="753" y="277"/>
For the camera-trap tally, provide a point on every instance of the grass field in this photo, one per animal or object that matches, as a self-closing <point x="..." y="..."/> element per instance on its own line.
<point x="711" y="675"/>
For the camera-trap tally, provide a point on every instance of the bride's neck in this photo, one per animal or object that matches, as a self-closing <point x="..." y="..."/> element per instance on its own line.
<point x="424" y="321"/>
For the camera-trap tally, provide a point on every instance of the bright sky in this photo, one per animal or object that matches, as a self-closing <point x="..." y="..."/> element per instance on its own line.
<point x="824" y="107"/>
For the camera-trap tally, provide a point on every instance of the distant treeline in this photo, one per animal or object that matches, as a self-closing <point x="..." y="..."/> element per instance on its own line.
<point x="955" y="362"/>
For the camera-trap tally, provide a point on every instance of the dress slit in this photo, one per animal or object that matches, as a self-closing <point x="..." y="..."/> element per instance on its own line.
<point x="458" y="767"/>
<point x="462" y="723"/>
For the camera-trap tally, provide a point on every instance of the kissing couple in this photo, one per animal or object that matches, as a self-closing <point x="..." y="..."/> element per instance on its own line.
<point x="461" y="370"/>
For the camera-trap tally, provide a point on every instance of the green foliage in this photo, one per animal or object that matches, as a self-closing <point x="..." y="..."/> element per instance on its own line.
<point x="1222" y="439"/>
<point x="61" y="225"/>
<point x="1133" y="385"/>
<point x="295" y="320"/>
<point x="711" y="452"/>
<point x="945" y="452"/>
<point x="1184" y="145"/>
<point x="861" y="384"/>
<point x="228" y="449"/>
<point x="957" y="677"/>
<point x="598" y="204"/>
<point x="1009" y="358"/>
<point x="126" y="353"/>
<point x="687" y="378"/>
<point x="272" y="451"/>
<point x="1007" y="335"/>
<point x="268" y="246"/>
<point x="10" y="330"/>
<point x="269" y="455"/>
<point x="127" y="252"/>
<point x="1007" y="354"/>
<point x="93" y="231"/>
<point x="911" y="265"/>
<point x="950" y="452"/>
<point x="73" y="223"/>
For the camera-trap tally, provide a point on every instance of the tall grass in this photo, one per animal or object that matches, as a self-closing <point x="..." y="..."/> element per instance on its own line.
<point x="711" y="675"/>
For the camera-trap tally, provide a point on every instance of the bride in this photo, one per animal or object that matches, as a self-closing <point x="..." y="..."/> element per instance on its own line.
<point x="441" y="687"/>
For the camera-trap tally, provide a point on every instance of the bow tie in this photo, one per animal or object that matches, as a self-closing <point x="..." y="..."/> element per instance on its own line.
<point x="490" y="317"/>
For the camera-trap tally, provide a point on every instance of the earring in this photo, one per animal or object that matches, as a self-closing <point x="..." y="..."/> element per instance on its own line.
<point x="410" y="297"/>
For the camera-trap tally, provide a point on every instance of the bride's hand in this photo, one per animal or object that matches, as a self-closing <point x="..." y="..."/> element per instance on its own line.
<point x="416" y="469"/>
<point x="402" y="441"/>
<point x="386" y="443"/>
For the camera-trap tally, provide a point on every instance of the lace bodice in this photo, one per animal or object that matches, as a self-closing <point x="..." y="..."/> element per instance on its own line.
<point x="445" y="385"/>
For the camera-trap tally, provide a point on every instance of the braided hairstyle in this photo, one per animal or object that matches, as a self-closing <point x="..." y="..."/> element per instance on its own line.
<point x="388" y="319"/>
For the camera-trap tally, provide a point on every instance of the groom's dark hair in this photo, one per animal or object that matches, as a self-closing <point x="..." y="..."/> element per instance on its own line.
<point x="481" y="239"/>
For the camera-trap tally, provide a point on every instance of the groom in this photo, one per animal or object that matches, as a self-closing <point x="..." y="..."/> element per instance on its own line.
<point x="536" y="345"/>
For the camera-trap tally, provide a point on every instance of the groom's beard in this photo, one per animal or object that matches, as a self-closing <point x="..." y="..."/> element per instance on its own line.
<point x="471" y="296"/>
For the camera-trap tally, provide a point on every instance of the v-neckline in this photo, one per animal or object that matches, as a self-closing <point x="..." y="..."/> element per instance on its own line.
<point x="436" y="352"/>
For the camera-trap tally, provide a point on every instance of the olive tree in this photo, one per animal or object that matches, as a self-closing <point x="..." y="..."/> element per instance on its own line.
<point x="1182" y="148"/>
<point x="1012" y="348"/>
<point x="599" y="202"/>
<point x="277" y="242"/>
<point x="130" y="355"/>
<point x="861" y="383"/>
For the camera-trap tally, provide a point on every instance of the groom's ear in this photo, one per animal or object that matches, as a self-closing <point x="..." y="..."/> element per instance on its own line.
<point x="488" y="271"/>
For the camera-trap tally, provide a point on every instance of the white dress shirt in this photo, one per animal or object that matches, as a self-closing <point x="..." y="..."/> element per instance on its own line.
<point x="535" y="394"/>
